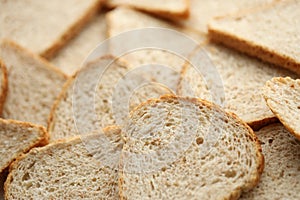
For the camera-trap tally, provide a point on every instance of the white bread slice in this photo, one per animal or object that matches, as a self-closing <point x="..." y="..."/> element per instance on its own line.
<point x="173" y="9"/>
<point x="214" y="154"/>
<point x="280" y="179"/>
<point x="33" y="84"/>
<point x="71" y="57"/>
<point x="17" y="138"/>
<point x="202" y="11"/>
<point x="243" y="78"/>
<point x="270" y="33"/>
<point x="3" y="85"/>
<point x="44" y="27"/>
<point x="283" y="98"/>
<point x="65" y="170"/>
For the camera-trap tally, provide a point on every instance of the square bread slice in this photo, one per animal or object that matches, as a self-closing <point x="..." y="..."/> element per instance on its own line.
<point x="283" y="98"/>
<point x="3" y="85"/>
<point x="69" y="169"/>
<point x="281" y="176"/>
<point x="270" y="33"/>
<point x="71" y="57"/>
<point x="187" y="148"/>
<point x="242" y="77"/>
<point x="44" y="27"/>
<point x="17" y="138"/>
<point x="172" y="9"/>
<point x="33" y="84"/>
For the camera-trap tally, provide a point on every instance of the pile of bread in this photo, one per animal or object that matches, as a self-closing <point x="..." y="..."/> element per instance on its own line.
<point x="171" y="145"/>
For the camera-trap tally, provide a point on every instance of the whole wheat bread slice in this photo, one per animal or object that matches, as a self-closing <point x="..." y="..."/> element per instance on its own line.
<point x="66" y="170"/>
<point x="33" y="84"/>
<point x="283" y="98"/>
<point x="280" y="179"/>
<point x="44" y="27"/>
<point x="3" y="85"/>
<point x="173" y="9"/>
<point x="202" y="11"/>
<point x="242" y="77"/>
<point x="71" y="57"/>
<point x="214" y="155"/>
<point x="270" y="33"/>
<point x="17" y="138"/>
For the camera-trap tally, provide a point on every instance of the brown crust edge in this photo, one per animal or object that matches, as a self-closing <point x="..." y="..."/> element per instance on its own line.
<point x="4" y="88"/>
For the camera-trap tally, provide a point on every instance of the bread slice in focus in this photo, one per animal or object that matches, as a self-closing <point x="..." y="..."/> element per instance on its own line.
<point x="33" y="84"/>
<point x="283" y="98"/>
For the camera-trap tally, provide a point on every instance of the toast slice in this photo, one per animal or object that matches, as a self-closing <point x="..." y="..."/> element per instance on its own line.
<point x="71" y="57"/>
<point x="283" y="98"/>
<point x="270" y="33"/>
<point x="33" y="84"/>
<point x="173" y="9"/>
<point x="281" y="176"/>
<point x="3" y="85"/>
<point x="66" y="170"/>
<point x="187" y="148"/>
<point x="28" y="22"/>
<point x="17" y="138"/>
<point x="202" y="11"/>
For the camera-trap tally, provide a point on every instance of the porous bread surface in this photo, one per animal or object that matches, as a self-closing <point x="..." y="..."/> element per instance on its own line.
<point x="71" y="57"/>
<point x="283" y="98"/>
<point x="28" y="22"/>
<point x="202" y="11"/>
<point x="3" y="85"/>
<point x="17" y="138"/>
<point x="64" y="170"/>
<point x="270" y="33"/>
<point x="242" y="77"/>
<point x="280" y="179"/>
<point x="222" y="154"/>
<point x="33" y="84"/>
<point x="168" y="8"/>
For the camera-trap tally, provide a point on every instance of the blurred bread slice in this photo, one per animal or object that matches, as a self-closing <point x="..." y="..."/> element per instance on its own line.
<point x="172" y="9"/>
<point x="280" y="179"/>
<point x="44" y="27"/>
<point x="3" y="85"/>
<point x="71" y="57"/>
<point x="283" y="98"/>
<point x="187" y="148"/>
<point x="67" y="169"/>
<point x="270" y="33"/>
<point x="33" y="84"/>
<point x="17" y="138"/>
<point x="242" y="77"/>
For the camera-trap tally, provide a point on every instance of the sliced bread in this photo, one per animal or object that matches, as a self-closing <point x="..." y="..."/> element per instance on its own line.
<point x="283" y="98"/>
<point x="71" y="57"/>
<point x="243" y="79"/>
<point x="3" y="85"/>
<point x="173" y="9"/>
<point x="187" y="148"/>
<point x="65" y="170"/>
<point x="281" y="176"/>
<point x="17" y="138"/>
<point x="270" y="33"/>
<point x="33" y="84"/>
<point x="29" y="22"/>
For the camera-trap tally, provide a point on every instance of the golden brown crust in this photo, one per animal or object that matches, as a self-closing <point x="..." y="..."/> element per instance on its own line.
<point x="4" y="86"/>
<point x="72" y="30"/>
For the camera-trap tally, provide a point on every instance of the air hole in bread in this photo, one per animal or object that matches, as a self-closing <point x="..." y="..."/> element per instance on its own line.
<point x="199" y="140"/>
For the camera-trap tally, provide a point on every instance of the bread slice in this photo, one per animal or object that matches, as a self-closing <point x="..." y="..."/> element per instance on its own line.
<point x="283" y="96"/>
<point x="281" y="176"/>
<point x="242" y="77"/>
<point x="71" y="57"/>
<point x="187" y="148"/>
<point x="65" y="170"/>
<point x="17" y="138"/>
<point x="33" y="84"/>
<point x="202" y="11"/>
<point x="166" y="8"/>
<point x="3" y="85"/>
<point x="28" y="22"/>
<point x="270" y="33"/>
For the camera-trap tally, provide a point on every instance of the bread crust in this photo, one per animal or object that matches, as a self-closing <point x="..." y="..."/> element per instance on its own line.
<point x="4" y="85"/>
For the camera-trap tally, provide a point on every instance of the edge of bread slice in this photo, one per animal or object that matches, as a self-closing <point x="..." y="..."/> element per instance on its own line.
<point x="3" y="85"/>
<point x="17" y="138"/>
<point x="282" y="95"/>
